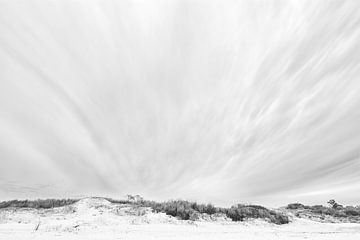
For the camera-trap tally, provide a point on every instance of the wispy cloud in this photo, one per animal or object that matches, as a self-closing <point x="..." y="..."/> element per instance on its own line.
<point x="224" y="102"/>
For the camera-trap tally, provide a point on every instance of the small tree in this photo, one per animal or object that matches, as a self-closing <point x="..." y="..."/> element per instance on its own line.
<point x="334" y="204"/>
<point x="130" y="198"/>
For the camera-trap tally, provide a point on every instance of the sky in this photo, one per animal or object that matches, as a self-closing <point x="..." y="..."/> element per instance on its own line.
<point x="213" y="101"/>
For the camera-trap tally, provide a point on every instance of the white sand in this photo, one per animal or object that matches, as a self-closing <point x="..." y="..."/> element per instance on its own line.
<point x="93" y="218"/>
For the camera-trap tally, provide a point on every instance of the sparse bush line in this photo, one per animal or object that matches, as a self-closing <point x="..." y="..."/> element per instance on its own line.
<point x="181" y="209"/>
<point x="40" y="203"/>
<point x="334" y="209"/>
<point x="186" y="210"/>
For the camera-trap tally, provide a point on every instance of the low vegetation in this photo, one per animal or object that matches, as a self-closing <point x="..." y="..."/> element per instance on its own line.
<point x="118" y="201"/>
<point x="40" y="203"/>
<point x="334" y="209"/>
<point x="181" y="209"/>
<point x="190" y="210"/>
<point x="240" y="212"/>
<point x="187" y="210"/>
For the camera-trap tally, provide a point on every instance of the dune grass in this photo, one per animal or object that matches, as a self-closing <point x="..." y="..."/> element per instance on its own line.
<point x="37" y="204"/>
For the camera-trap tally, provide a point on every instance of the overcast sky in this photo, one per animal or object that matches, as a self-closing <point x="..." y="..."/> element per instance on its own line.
<point x="215" y="101"/>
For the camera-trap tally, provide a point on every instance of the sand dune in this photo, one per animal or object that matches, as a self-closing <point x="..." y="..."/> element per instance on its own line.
<point x="96" y="218"/>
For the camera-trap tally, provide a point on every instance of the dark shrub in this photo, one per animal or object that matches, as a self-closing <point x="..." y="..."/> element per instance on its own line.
<point x="117" y="201"/>
<point x="257" y="207"/>
<point x="278" y="218"/>
<point x="241" y="212"/>
<point x="320" y="209"/>
<point x="317" y="207"/>
<point x="176" y="208"/>
<point x="202" y="208"/>
<point x="352" y="211"/>
<point x="340" y="214"/>
<point x="295" y="206"/>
